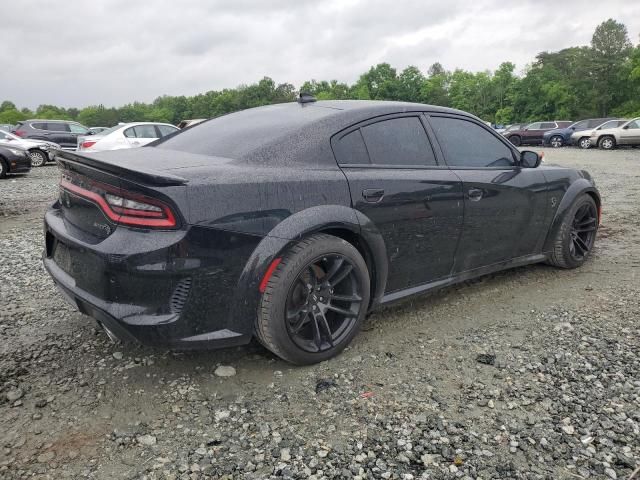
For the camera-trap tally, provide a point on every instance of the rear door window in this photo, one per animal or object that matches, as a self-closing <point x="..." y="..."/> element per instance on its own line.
<point x="548" y="125"/>
<point x="57" y="127"/>
<point x="166" y="130"/>
<point x="75" y="128"/>
<point x="39" y="126"/>
<point x="350" y="149"/>
<point x="399" y="142"/>
<point x="467" y="144"/>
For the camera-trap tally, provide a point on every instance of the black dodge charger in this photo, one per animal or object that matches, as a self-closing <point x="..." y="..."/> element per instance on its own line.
<point x="291" y="222"/>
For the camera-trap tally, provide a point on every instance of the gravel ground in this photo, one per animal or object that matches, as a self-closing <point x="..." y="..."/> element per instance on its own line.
<point x="528" y="374"/>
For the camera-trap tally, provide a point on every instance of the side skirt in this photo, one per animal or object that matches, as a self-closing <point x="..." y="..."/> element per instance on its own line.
<point x="464" y="276"/>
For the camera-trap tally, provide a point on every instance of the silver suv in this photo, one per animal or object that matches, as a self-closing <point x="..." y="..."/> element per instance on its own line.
<point x="626" y="134"/>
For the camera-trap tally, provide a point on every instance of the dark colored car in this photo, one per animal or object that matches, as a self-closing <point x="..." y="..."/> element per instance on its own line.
<point x="291" y="222"/>
<point x="64" y="133"/>
<point x="533" y="133"/>
<point x="560" y="137"/>
<point x="14" y="159"/>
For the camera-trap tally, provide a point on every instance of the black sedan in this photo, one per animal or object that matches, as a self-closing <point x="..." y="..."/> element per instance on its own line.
<point x="14" y="159"/>
<point x="291" y="222"/>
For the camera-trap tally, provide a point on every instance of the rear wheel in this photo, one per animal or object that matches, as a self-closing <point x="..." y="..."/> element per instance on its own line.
<point x="38" y="158"/>
<point x="577" y="234"/>
<point x="607" y="143"/>
<point x="3" y="168"/>
<point x="516" y="140"/>
<point x="315" y="301"/>
<point x="585" y="143"/>
<point x="556" y="141"/>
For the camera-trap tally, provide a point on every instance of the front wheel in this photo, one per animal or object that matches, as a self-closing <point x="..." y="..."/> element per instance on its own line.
<point x="577" y="234"/>
<point x="585" y="143"/>
<point x="556" y="141"/>
<point x="3" y="168"/>
<point x="607" y="143"/>
<point x="38" y="158"/>
<point x="315" y="301"/>
<point x="515" y="140"/>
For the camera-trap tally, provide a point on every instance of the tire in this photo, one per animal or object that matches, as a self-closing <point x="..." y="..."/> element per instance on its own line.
<point x="3" y="168"/>
<point x="584" y="143"/>
<point x="556" y="141"/>
<point x="580" y="220"/>
<point x="607" y="143"/>
<point x="38" y="158"/>
<point x="296" y="318"/>
<point x="516" y="140"/>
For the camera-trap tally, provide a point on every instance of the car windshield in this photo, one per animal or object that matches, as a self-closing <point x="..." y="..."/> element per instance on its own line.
<point x="4" y="135"/>
<point x="110" y="130"/>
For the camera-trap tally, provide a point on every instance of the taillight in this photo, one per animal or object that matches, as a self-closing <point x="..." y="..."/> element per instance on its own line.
<point x="87" y="144"/>
<point x="20" y="133"/>
<point x="121" y="206"/>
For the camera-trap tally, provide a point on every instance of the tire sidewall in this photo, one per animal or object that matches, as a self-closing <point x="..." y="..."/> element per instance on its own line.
<point x="273" y="310"/>
<point x="3" y="168"/>
<point x="515" y="140"/>
<point x="565" y="232"/>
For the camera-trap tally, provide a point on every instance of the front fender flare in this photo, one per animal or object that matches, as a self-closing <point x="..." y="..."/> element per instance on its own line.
<point x="317" y="219"/>
<point x="576" y="189"/>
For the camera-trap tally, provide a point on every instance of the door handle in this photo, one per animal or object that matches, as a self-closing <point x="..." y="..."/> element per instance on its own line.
<point x="474" y="194"/>
<point x="373" y="194"/>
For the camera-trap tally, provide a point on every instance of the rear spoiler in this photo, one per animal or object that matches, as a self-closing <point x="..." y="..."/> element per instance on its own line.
<point x="144" y="176"/>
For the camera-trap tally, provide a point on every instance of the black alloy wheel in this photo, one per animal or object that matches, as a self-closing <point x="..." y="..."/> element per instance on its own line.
<point x="576" y="235"/>
<point x="315" y="300"/>
<point x="583" y="231"/>
<point x="323" y="303"/>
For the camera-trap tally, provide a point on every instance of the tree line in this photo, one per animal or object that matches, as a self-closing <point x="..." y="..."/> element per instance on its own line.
<point x="602" y="79"/>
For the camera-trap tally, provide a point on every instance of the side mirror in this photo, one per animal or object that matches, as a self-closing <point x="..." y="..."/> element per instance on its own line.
<point x="626" y="127"/>
<point x="529" y="159"/>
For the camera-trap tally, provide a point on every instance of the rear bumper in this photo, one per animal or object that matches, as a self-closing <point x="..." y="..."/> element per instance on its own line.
<point x="164" y="289"/>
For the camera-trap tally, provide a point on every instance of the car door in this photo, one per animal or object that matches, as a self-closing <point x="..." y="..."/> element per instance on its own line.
<point x="630" y="133"/>
<point x="140" y="135"/>
<point x="415" y="203"/>
<point x="59" y="132"/>
<point x="504" y="204"/>
<point x="531" y="132"/>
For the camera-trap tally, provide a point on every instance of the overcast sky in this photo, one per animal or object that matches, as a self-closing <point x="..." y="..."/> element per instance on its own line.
<point x="75" y="53"/>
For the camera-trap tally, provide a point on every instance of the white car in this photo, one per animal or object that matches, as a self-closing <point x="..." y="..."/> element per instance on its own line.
<point x="128" y="135"/>
<point x="40" y="151"/>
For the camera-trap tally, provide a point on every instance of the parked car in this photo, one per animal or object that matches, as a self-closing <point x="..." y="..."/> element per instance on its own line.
<point x="63" y="132"/>
<point x="513" y="128"/>
<point x="533" y="133"/>
<point x="188" y="123"/>
<point x="14" y="159"/>
<point x="560" y="137"/>
<point x="128" y="135"/>
<point x="626" y="134"/>
<point x="40" y="151"/>
<point x="291" y="222"/>
<point x="97" y="130"/>
<point x="583" y="138"/>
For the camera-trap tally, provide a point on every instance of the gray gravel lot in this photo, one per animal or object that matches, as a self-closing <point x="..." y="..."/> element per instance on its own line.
<point x="528" y="374"/>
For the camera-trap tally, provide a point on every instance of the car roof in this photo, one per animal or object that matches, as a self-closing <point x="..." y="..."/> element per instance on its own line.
<point x="286" y="131"/>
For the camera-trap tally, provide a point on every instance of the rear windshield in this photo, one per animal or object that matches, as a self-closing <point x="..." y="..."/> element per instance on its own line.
<point x="238" y="134"/>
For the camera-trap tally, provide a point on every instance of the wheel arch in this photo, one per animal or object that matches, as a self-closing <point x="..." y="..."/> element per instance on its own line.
<point x="578" y="188"/>
<point x="340" y="221"/>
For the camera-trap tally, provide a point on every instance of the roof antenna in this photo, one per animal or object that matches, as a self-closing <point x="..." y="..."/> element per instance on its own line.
<point x="306" y="97"/>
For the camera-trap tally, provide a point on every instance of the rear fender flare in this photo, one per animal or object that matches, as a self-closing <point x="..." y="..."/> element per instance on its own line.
<point x="317" y="219"/>
<point x="575" y="190"/>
